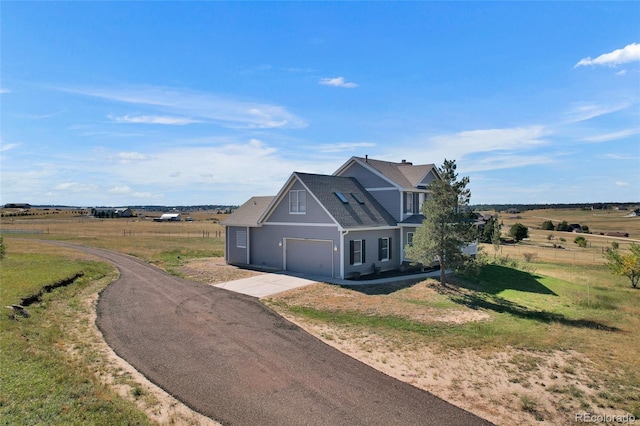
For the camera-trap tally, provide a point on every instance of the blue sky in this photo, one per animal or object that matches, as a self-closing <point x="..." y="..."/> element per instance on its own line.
<point x="177" y="103"/>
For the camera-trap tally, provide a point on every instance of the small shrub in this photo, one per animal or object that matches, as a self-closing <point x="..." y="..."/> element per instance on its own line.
<point x="530" y="256"/>
<point x="580" y="241"/>
<point x="528" y="404"/>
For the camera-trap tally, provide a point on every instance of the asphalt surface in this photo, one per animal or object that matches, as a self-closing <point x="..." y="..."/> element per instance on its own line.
<point x="230" y="358"/>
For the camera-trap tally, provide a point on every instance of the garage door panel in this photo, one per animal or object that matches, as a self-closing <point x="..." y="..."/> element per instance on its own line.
<point x="310" y="256"/>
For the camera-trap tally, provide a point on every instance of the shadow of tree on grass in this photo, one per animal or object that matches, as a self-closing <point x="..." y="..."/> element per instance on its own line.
<point x="494" y="279"/>
<point x="501" y="305"/>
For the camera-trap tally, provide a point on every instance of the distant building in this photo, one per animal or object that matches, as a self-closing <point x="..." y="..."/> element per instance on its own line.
<point x="617" y="234"/>
<point x="169" y="217"/>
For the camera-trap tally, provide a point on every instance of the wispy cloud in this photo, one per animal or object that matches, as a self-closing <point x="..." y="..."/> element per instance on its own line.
<point x="488" y="140"/>
<point x="76" y="187"/>
<point x="612" y="136"/>
<point x="8" y="146"/>
<point x="629" y="53"/>
<point x="586" y="111"/>
<point x="621" y="157"/>
<point x="128" y="157"/>
<point x="154" y="119"/>
<point x="337" y="82"/>
<point x="345" y="146"/>
<point x="4" y="90"/>
<point x="227" y="112"/>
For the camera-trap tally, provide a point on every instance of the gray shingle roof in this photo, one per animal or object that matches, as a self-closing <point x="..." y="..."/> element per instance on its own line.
<point x="248" y="213"/>
<point x="406" y="175"/>
<point x="352" y="214"/>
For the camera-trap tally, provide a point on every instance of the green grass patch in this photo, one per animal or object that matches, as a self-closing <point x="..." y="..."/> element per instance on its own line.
<point x="41" y="382"/>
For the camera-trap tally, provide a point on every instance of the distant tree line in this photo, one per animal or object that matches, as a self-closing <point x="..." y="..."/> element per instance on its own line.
<point x="524" y="207"/>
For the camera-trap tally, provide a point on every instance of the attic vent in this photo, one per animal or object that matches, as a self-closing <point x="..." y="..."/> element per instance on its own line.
<point x="341" y="197"/>
<point x="357" y="198"/>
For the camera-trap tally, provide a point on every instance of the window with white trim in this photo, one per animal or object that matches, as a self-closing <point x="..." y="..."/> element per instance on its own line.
<point x="241" y="238"/>
<point x="408" y="204"/>
<point x="410" y="239"/>
<point x="384" y="249"/>
<point x="297" y="201"/>
<point x="356" y="252"/>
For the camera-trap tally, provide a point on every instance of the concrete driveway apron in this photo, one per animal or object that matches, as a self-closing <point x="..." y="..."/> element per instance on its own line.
<point x="265" y="284"/>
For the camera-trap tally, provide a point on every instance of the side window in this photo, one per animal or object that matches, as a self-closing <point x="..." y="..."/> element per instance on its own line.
<point x="384" y="249"/>
<point x="241" y="239"/>
<point x="297" y="202"/>
<point x="410" y="238"/>
<point x="356" y="252"/>
<point x="408" y="202"/>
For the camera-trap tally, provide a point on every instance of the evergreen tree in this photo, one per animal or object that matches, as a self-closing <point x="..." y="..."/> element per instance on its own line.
<point x="446" y="227"/>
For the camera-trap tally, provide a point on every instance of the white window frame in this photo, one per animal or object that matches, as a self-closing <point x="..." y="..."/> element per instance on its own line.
<point x="410" y="238"/>
<point x="358" y="252"/>
<point x="241" y="238"/>
<point x="297" y="201"/>
<point x="408" y="208"/>
<point x="385" y="250"/>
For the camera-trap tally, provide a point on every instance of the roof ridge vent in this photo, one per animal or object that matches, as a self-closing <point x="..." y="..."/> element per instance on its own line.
<point x="406" y="163"/>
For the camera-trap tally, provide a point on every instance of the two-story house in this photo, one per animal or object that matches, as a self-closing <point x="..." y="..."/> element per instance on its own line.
<point x="353" y="222"/>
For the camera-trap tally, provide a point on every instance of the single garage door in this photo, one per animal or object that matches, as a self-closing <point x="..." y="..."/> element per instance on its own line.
<point x="313" y="257"/>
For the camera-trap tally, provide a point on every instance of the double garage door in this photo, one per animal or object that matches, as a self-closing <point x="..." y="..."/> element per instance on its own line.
<point x="313" y="257"/>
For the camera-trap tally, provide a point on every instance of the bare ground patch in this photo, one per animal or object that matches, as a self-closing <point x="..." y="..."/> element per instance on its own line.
<point x="212" y="270"/>
<point x="504" y="385"/>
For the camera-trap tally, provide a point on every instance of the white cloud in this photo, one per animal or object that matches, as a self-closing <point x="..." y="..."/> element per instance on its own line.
<point x="619" y="183"/>
<point x="586" y="111"/>
<point x="127" y="157"/>
<point x="3" y="91"/>
<point x="337" y="82"/>
<point x="612" y="136"/>
<point x="8" y="146"/>
<point x="154" y="119"/>
<point x="345" y="146"/>
<point x="621" y="157"/>
<point x="629" y="53"/>
<point x="227" y="112"/>
<point x="488" y="140"/>
<point x="622" y="72"/>
<point x="76" y="187"/>
<point x="119" y="190"/>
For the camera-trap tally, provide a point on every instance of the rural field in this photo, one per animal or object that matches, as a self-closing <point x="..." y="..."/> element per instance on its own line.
<point x="538" y="335"/>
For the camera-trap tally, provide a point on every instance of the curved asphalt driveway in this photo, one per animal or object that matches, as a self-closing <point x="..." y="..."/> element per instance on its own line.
<point x="230" y="358"/>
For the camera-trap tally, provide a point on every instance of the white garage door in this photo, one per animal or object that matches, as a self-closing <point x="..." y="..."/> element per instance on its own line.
<point x="310" y="256"/>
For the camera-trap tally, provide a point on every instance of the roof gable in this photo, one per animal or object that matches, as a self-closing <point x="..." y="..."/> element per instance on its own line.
<point x="404" y="175"/>
<point x="249" y="213"/>
<point x="360" y="210"/>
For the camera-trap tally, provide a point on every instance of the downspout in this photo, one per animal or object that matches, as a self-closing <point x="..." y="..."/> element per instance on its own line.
<point x="342" y="235"/>
<point x="248" y="246"/>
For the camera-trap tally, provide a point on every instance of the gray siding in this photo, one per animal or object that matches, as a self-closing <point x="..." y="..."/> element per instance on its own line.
<point x="235" y="254"/>
<point x="365" y="177"/>
<point x="390" y="198"/>
<point x="371" y="257"/>
<point x="427" y="179"/>
<point x="267" y="251"/>
<point x="314" y="214"/>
